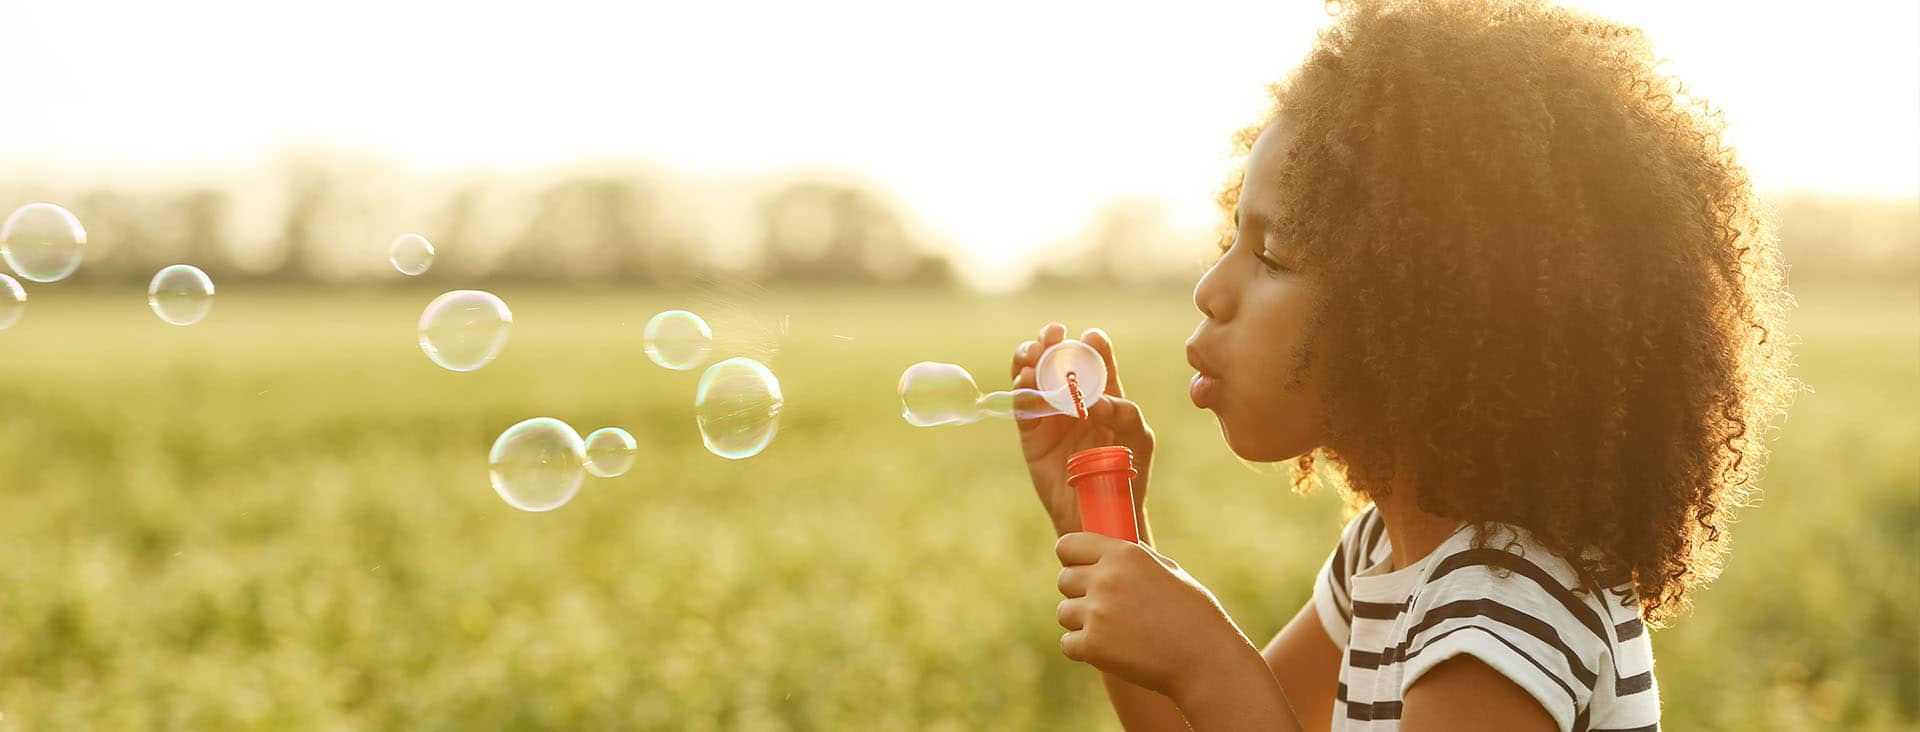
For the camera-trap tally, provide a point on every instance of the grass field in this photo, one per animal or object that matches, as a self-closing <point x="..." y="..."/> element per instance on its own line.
<point x="280" y="519"/>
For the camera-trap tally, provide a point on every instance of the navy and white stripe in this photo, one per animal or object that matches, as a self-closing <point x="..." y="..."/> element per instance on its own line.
<point x="1585" y="657"/>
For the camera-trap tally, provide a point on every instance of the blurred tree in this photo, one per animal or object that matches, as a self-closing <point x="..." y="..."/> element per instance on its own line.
<point x="200" y="217"/>
<point x="1127" y="241"/>
<point x="118" y="249"/>
<point x="311" y="197"/>
<point x="1829" y="237"/>
<point x="821" y="232"/>
<point x="460" y="220"/>
<point x="322" y="218"/>
<point x="596" y="227"/>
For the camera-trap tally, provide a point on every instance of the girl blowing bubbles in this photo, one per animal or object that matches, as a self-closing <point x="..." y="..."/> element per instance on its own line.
<point x="1504" y="280"/>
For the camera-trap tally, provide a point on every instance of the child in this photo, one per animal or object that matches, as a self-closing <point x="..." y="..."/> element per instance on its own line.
<point x="1503" y="280"/>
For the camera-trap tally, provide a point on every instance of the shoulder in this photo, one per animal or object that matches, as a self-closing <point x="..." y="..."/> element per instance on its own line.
<point x="1517" y="608"/>
<point x="1358" y="549"/>
<point x="1361" y="540"/>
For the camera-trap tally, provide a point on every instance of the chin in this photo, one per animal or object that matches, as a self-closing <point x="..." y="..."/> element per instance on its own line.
<point x="1261" y="445"/>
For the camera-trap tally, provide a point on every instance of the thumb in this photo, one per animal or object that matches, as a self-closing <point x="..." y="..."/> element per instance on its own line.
<point x="1103" y="343"/>
<point x="1164" y="560"/>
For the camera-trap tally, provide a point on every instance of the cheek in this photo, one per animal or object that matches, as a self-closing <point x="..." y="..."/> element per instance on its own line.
<point x="1276" y="411"/>
<point x="1276" y="423"/>
<point x="1276" y="346"/>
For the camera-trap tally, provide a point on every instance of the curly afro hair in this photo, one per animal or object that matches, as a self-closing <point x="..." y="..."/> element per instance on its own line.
<point x="1548" y="297"/>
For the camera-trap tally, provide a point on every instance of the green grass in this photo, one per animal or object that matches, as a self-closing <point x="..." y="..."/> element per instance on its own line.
<point x="280" y="519"/>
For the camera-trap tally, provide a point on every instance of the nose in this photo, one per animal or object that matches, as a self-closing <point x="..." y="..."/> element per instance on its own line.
<point x="1210" y="296"/>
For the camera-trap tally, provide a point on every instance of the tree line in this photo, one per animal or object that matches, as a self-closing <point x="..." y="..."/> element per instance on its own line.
<point x="319" y="218"/>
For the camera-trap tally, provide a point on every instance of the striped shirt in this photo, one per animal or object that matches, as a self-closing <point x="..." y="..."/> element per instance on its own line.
<point x="1587" y="659"/>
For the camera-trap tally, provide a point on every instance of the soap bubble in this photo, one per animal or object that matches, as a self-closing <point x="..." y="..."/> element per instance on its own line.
<point x="678" y="340"/>
<point x="464" y="330"/>
<point x="537" y="465"/>
<point x="1017" y="404"/>
<point x="412" y="254"/>
<point x="610" y="452"/>
<point x="42" y="242"/>
<point x="13" y="301"/>
<point x="737" y="406"/>
<point x="180" y="294"/>
<point x="934" y="394"/>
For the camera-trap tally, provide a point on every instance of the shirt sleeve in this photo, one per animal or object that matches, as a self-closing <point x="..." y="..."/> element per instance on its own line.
<point x="1516" y="617"/>
<point x="1331" y="598"/>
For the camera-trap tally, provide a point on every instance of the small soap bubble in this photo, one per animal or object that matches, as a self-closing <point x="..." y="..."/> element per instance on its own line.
<point x="678" y="340"/>
<point x="737" y="405"/>
<point x="464" y="330"/>
<point x="42" y="242"/>
<point x="538" y="464"/>
<point x="180" y="294"/>
<point x="412" y="254"/>
<point x="610" y="452"/>
<point x="933" y="394"/>
<point x="13" y="301"/>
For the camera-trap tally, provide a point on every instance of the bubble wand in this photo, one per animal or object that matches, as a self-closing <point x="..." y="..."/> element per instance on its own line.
<point x="933" y="394"/>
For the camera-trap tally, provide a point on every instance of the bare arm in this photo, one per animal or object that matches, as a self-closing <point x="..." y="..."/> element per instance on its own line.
<point x="1307" y="664"/>
<point x="1142" y="710"/>
<point x="1436" y="701"/>
<point x="1301" y="657"/>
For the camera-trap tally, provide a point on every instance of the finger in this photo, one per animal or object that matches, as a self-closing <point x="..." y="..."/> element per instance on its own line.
<point x="1025" y="379"/>
<point x="1073" y="581"/>
<point x="1104" y="344"/>
<point x="1071" y="614"/>
<point x="1083" y="547"/>
<point x="1126" y="415"/>
<point x="1121" y="415"/>
<point x="1073" y="645"/>
<point x="1051" y="334"/>
<point x="1021" y="356"/>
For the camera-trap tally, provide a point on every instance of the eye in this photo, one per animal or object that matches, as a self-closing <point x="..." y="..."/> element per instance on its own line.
<point x="1272" y="265"/>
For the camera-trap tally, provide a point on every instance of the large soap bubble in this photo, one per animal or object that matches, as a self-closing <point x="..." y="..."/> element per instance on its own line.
<point x="464" y="330"/>
<point x="42" y="242"/>
<point x="1071" y="376"/>
<point x="933" y="394"/>
<point x="13" y="301"/>
<point x="538" y="464"/>
<point x="737" y="406"/>
<point x="678" y="340"/>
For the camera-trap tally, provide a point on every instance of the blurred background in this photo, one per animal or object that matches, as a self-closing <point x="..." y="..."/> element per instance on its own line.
<point x="280" y="518"/>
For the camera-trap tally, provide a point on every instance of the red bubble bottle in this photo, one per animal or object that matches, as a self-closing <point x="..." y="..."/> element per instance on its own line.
<point x="1103" y="477"/>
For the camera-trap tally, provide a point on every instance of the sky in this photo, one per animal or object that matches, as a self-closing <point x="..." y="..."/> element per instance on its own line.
<point x="1003" y="125"/>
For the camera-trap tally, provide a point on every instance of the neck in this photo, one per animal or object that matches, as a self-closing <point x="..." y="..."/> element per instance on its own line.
<point x="1413" y="533"/>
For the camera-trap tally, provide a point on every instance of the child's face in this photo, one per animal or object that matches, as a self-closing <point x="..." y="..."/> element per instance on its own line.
<point x="1256" y="373"/>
